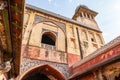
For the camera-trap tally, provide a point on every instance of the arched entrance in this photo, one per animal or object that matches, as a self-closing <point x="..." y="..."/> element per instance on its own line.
<point x="44" y="72"/>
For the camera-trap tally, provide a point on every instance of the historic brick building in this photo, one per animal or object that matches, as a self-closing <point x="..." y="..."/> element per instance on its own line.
<point x="52" y="40"/>
<point x="55" y="47"/>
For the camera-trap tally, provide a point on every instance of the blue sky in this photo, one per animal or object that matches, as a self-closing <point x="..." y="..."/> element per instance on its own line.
<point x="108" y="18"/>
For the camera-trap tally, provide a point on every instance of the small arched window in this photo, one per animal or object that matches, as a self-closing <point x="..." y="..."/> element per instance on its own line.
<point x="99" y="39"/>
<point x="84" y="35"/>
<point x="48" y="38"/>
<point x="92" y="37"/>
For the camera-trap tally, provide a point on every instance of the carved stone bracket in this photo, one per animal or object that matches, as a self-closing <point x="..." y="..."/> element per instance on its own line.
<point x="3" y="4"/>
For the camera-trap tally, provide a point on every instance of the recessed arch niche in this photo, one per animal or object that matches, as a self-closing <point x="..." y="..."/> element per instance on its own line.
<point x="53" y="32"/>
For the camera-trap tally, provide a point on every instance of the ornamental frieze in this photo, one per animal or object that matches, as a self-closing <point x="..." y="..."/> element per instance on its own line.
<point x="41" y="19"/>
<point x="29" y="63"/>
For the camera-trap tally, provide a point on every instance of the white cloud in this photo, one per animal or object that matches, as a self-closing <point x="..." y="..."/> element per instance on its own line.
<point x="70" y="1"/>
<point x="117" y="6"/>
<point x="55" y="4"/>
<point x="49" y="1"/>
<point x="109" y="18"/>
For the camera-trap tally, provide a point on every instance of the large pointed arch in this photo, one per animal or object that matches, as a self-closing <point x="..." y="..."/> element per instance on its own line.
<point x="46" y="72"/>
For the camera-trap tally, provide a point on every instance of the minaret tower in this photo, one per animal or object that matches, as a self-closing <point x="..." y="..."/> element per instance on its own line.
<point x="86" y="16"/>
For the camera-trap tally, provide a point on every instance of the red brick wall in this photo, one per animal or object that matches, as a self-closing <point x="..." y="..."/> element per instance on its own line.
<point x="73" y="58"/>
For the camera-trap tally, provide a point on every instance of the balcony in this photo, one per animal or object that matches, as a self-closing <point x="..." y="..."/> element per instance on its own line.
<point x="45" y="52"/>
<point x="49" y="47"/>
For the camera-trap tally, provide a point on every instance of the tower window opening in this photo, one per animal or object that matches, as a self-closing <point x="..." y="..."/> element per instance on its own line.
<point x="84" y="14"/>
<point x="92" y="17"/>
<point x="88" y="16"/>
<point x="81" y="15"/>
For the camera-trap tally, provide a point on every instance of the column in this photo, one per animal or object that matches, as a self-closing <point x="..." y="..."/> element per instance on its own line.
<point x="86" y="15"/>
<point x="90" y="16"/>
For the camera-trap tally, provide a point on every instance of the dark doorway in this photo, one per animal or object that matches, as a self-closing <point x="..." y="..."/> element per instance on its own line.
<point x="37" y="76"/>
<point x="48" y="38"/>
